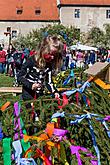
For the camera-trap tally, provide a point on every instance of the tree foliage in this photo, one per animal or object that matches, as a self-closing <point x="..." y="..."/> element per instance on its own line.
<point x="69" y="35"/>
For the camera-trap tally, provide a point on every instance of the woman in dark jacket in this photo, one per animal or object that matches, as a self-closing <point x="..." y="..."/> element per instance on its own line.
<point x="36" y="73"/>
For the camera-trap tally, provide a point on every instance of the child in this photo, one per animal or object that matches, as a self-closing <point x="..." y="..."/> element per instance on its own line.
<point x="36" y="73"/>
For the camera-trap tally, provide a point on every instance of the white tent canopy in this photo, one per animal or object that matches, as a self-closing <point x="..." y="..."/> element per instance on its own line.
<point x="82" y="47"/>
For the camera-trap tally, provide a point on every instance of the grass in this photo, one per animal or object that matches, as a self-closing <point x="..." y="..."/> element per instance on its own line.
<point x="6" y="81"/>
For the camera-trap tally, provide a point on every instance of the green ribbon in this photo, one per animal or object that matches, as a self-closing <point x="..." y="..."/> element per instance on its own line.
<point x="7" y="151"/>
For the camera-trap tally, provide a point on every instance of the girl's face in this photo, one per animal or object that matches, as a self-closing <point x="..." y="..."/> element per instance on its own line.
<point x="52" y="49"/>
<point x="53" y="44"/>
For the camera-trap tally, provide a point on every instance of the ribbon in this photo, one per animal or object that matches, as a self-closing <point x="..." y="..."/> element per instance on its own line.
<point x="7" y="151"/>
<point x="105" y="125"/>
<point x="5" y="106"/>
<point x="86" y="100"/>
<point x="80" y="90"/>
<point x="69" y="77"/>
<point x="27" y="161"/>
<point x="18" y="151"/>
<point x="40" y="154"/>
<point x="77" y="98"/>
<point x="17" y="120"/>
<point x="51" y="136"/>
<point x="88" y="116"/>
<point x="65" y="101"/>
<point x="107" y="118"/>
<point x="75" y="150"/>
<point x="1" y="134"/>
<point x="58" y="114"/>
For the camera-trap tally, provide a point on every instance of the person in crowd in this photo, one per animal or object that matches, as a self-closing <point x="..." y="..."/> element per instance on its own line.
<point x="92" y="57"/>
<point x="80" y="59"/>
<point x="68" y="57"/>
<point x="9" y="60"/>
<point x="2" y="59"/>
<point x="86" y="57"/>
<point x="108" y="56"/>
<point x="36" y="72"/>
<point x="25" y="51"/>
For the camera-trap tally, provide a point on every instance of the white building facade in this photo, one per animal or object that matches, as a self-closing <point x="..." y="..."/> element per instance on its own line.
<point x="84" y="16"/>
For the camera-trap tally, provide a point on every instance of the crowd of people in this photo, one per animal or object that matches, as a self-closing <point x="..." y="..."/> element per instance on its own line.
<point x="86" y="58"/>
<point x="8" y="57"/>
<point x="78" y="57"/>
<point x="34" y="69"/>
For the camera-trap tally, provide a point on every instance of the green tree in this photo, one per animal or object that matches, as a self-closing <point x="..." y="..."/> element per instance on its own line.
<point x="69" y="35"/>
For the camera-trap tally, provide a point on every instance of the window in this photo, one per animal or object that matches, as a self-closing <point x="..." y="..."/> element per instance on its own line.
<point x="19" y="10"/>
<point x="107" y="13"/>
<point x="77" y="13"/>
<point x="14" y="33"/>
<point x="37" y="11"/>
<point x="9" y="29"/>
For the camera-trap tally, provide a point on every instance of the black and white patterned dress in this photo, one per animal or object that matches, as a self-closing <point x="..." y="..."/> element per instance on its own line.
<point x="29" y="75"/>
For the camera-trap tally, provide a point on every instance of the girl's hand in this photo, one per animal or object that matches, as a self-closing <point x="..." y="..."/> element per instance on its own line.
<point x="35" y="86"/>
<point x="57" y="95"/>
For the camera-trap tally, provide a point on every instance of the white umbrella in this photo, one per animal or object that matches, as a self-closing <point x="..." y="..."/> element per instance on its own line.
<point x="82" y="47"/>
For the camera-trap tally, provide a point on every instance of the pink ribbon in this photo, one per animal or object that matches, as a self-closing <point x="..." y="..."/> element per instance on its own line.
<point x="107" y="118"/>
<point x="17" y="121"/>
<point x="60" y="132"/>
<point x="75" y="150"/>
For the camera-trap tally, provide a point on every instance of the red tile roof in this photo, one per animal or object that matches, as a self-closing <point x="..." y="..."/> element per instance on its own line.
<point x="85" y="2"/>
<point x="48" y="8"/>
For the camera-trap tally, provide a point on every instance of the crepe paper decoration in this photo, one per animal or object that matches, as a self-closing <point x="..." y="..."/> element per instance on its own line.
<point x="77" y="98"/>
<point x="1" y="134"/>
<point x="50" y="129"/>
<point x="39" y="154"/>
<point x="5" y="106"/>
<point x="75" y="150"/>
<point x="54" y="120"/>
<point x="65" y="101"/>
<point x="88" y="116"/>
<point x="86" y="100"/>
<point x="102" y="120"/>
<point x="25" y="145"/>
<point x="107" y="118"/>
<point x="80" y="90"/>
<point x="60" y="133"/>
<point x="27" y="161"/>
<point x="27" y="138"/>
<point x="7" y="151"/>
<point x="18" y="151"/>
<point x="17" y="121"/>
<point x="51" y="136"/>
<point x="58" y="114"/>
<point x="71" y="75"/>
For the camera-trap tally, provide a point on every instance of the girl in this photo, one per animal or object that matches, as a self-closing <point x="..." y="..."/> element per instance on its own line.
<point x="37" y="72"/>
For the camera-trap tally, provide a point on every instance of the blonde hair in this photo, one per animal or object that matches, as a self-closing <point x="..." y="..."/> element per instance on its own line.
<point x="45" y="48"/>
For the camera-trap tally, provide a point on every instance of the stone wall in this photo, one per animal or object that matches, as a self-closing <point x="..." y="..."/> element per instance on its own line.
<point x="89" y="17"/>
<point x="21" y="28"/>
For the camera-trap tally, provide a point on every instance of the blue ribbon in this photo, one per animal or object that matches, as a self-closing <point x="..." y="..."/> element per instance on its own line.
<point x="69" y="77"/>
<point x="105" y="125"/>
<point x="80" y="90"/>
<point x="58" y="114"/>
<point x="88" y="117"/>
<point x="1" y="134"/>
